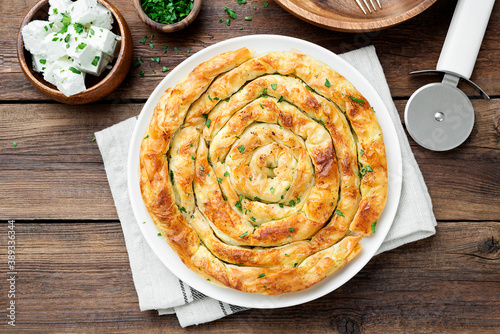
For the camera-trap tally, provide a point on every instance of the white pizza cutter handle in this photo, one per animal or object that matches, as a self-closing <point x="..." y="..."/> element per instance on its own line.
<point x="465" y="36"/>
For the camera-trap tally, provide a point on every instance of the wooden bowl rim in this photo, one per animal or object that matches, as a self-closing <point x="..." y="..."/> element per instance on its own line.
<point x="100" y="89"/>
<point x="168" y="28"/>
<point x="353" y="26"/>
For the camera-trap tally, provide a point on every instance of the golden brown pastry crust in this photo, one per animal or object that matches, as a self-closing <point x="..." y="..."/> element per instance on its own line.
<point x="263" y="173"/>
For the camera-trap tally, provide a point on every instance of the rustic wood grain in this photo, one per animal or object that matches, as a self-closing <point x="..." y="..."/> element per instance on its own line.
<point x="56" y="170"/>
<point x="345" y="15"/>
<point x="82" y="272"/>
<point x="413" y="45"/>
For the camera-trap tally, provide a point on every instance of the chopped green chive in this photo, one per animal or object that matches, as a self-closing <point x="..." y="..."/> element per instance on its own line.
<point x="226" y="174"/>
<point x="327" y="83"/>
<point x="208" y="122"/>
<point x="361" y="152"/>
<point x="274" y="86"/>
<point x="261" y="275"/>
<point x="339" y="213"/>
<point x="290" y="229"/>
<point x="241" y="148"/>
<point x="252" y="218"/>
<point x="219" y="180"/>
<point x="361" y="102"/>
<point x="43" y="61"/>
<point x="183" y="209"/>
<point x="266" y="4"/>
<point x="81" y="46"/>
<point x="248" y="18"/>
<point x="272" y="190"/>
<point x="74" y="70"/>
<point x="373" y="226"/>
<point x="231" y="13"/>
<point x="96" y="60"/>
<point x="280" y="99"/>
<point x="194" y="158"/>
<point x="165" y="69"/>
<point x="159" y="234"/>
<point x="143" y="40"/>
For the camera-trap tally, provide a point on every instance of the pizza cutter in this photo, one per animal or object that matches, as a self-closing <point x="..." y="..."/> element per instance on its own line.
<point x="439" y="116"/>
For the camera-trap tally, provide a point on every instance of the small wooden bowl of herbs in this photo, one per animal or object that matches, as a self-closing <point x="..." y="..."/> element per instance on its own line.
<point x="167" y="15"/>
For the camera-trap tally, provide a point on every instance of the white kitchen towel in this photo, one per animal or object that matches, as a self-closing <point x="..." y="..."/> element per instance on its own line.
<point x="158" y="289"/>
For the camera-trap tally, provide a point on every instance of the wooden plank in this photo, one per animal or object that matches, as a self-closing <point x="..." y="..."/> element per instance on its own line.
<point x="76" y="278"/>
<point x="56" y="171"/>
<point x="413" y="45"/>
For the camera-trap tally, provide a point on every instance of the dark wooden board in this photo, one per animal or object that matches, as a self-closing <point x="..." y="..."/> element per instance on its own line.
<point x="56" y="170"/>
<point x="413" y="45"/>
<point x="76" y="278"/>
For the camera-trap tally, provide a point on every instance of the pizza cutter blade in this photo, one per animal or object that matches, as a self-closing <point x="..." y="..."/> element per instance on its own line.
<point x="439" y="116"/>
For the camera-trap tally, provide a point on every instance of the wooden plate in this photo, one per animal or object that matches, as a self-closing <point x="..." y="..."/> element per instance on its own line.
<point x="345" y="15"/>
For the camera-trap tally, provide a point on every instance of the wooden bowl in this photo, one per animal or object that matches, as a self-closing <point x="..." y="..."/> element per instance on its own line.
<point x="346" y="16"/>
<point x="168" y="27"/>
<point x="97" y="87"/>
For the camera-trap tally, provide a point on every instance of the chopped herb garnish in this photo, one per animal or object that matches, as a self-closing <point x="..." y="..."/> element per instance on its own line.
<point x="264" y="92"/>
<point x="141" y="74"/>
<point x="292" y="203"/>
<point x="361" y="102"/>
<point x="226" y="174"/>
<point x="252" y="218"/>
<point x="231" y="13"/>
<point x="46" y="29"/>
<point x="78" y="27"/>
<point x="280" y="99"/>
<point x="55" y="11"/>
<point x="137" y="63"/>
<point x="241" y="148"/>
<point x="261" y="275"/>
<point x="260" y="104"/>
<point x="331" y="204"/>
<point x="373" y="226"/>
<point x="295" y="265"/>
<point x="202" y="168"/>
<point x="219" y="180"/>
<point x="238" y="203"/>
<point x="208" y="122"/>
<point x="55" y="39"/>
<point x="43" y="61"/>
<point x="361" y="152"/>
<point x="266" y="4"/>
<point x="14" y="144"/>
<point x="165" y="69"/>
<point x="272" y="190"/>
<point x="66" y="39"/>
<point x="183" y="209"/>
<point x="96" y="60"/>
<point x="242" y="2"/>
<point x="228" y="22"/>
<point x="143" y="40"/>
<point x="81" y="46"/>
<point x="146" y="137"/>
<point x="290" y="229"/>
<point x="159" y="234"/>
<point x="167" y="12"/>
<point x="74" y="70"/>
<point x="280" y="205"/>
<point x="92" y="32"/>
<point x="221" y="20"/>
<point x="274" y="86"/>
<point x="194" y="158"/>
<point x="339" y="213"/>
<point x="327" y="83"/>
<point x="151" y="45"/>
<point x="287" y="254"/>
<point x="247" y="18"/>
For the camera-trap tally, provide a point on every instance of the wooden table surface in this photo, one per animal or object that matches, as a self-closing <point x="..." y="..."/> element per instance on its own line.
<point x="72" y="265"/>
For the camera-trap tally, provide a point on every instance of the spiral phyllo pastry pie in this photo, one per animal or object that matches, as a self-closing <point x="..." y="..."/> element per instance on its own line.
<point x="263" y="173"/>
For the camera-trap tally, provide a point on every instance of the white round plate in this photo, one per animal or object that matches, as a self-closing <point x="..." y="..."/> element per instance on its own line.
<point x="263" y="44"/>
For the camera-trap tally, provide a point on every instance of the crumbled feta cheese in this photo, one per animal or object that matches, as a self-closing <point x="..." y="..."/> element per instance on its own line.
<point x="102" y="39"/>
<point x="39" y="63"/>
<point x="76" y="40"/>
<point x="54" y="46"/>
<point x="104" y="18"/>
<point x="89" y="60"/>
<point x="33" y="35"/>
<point x="69" y="80"/>
<point x="59" y="8"/>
